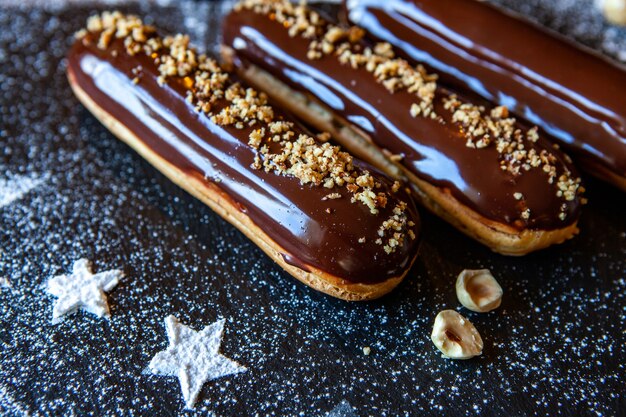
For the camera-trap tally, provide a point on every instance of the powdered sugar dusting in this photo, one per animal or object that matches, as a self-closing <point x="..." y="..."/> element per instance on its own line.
<point x="554" y="347"/>
<point x="15" y="187"/>
<point x="193" y="356"/>
<point x="82" y="289"/>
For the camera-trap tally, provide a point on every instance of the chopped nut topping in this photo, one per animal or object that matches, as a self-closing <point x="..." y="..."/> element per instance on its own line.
<point x="323" y="137"/>
<point x="500" y="112"/>
<point x="455" y="336"/>
<point x="517" y="154"/>
<point x="81" y="34"/>
<point x="478" y="290"/>
<point x="332" y="196"/>
<point x="343" y="43"/>
<point x="255" y="138"/>
<point x="392" y="228"/>
<point x="334" y="34"/>
<point x="482" y="128"/>
<point x="279" y="147"/>
<point x="533" y="135"/>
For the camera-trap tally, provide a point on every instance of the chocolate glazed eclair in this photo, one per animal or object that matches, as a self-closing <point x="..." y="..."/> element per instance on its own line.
<point x="328" y="219"/>
<point x="479" y="169"/>
<point x="572" y="93"/>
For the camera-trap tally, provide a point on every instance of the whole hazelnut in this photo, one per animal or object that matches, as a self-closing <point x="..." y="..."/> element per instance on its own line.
<point x="478" y="290"/>
<point x="455" y="336"/>
<point x="614" y="11"/>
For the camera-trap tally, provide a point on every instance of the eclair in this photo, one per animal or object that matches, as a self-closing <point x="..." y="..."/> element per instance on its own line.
<point x="572" y="93"/>
<point x="330" y="220"/>
<point x="475" y="166"/>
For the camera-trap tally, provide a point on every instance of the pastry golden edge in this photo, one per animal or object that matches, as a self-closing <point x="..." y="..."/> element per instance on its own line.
<point x="212" y="196"/>
<point x="499" y="237"/>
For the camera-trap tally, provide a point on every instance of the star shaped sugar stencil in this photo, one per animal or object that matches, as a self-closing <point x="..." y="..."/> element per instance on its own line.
<point x="82" y="289"/>
<point x="15" y="187"/>
<point x="193" y="356"/>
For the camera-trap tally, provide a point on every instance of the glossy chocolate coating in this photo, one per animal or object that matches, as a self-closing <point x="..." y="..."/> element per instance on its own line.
<point x="291" y="214"/>
<point x="432" y="151"/>
<point x="572" y="93"/>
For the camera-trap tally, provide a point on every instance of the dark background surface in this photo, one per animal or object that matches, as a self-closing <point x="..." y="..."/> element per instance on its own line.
<point x="556" y="346"/>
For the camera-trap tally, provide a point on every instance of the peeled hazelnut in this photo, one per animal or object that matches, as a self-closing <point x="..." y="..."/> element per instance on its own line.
<point x="455" y="336"/>
<point x="614" y="11"/>
<point x="478" y="290"/>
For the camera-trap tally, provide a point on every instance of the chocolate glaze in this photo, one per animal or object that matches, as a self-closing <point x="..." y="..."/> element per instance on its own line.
<point x="572" y="93"/>
<point x="432" y="151"/>
<point x="291" y="214"/>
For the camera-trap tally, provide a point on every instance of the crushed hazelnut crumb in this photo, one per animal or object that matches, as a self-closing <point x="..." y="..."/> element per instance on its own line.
<point x="278" y="147"/>
<point x="343" y="43"/>
<point x="517" y="155"/>
<point x="482" y="128"/>
<point x="323" y="137"/>
<point x="331" y="196"/>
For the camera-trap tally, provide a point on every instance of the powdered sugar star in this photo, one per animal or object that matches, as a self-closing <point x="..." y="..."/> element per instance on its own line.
<point x="193" y="356"/>
<point x="15" y="187"/>
<point x="82" y="289"/>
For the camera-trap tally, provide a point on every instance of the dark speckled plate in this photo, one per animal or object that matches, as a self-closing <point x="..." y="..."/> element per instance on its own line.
<point x="69" y="189"/>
